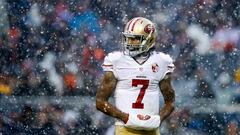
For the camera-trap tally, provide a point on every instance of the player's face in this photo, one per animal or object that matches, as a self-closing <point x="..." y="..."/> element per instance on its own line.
<point x="134" y="40"/>
<point x="133" y="43"/>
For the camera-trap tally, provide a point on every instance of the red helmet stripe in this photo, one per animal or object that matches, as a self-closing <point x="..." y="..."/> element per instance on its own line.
<point x="134" y="24"/>
<point x="129" y="24"/>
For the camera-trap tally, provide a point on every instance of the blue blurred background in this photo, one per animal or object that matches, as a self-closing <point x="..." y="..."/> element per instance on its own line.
<point x="51" y="54"/>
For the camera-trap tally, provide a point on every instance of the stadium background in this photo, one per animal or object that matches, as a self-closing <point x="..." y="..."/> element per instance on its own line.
<point x="51" y="53"/>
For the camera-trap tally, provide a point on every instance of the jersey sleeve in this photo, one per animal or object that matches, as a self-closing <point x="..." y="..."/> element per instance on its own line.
<point x="169" y="64"/>
<point x="107" y="64"/>
<point x="110" y="61"/>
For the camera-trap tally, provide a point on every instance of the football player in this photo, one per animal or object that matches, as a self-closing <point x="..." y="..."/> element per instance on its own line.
<point x="137" y="76"/>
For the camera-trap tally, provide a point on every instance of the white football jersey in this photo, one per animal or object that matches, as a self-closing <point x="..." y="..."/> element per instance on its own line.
<point x="137" y="89"/>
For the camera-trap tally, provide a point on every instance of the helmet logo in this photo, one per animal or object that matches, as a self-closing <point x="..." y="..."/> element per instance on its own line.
<point x="149" y="28"/>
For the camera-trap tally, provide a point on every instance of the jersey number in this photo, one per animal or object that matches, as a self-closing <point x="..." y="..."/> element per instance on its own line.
<point x="135" y="82"/>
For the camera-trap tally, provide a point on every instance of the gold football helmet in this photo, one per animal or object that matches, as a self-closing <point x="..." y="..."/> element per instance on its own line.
<point x="139" y="36"/>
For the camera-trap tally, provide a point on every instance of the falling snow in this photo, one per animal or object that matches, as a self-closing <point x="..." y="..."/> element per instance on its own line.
<point x="51" y="54"/>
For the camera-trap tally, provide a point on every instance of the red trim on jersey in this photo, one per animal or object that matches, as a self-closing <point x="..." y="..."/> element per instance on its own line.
<point x="134" y="24"/>
<point x="107" y="65"/>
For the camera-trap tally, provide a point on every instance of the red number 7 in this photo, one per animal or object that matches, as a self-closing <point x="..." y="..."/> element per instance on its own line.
<point x="135" y="82"/>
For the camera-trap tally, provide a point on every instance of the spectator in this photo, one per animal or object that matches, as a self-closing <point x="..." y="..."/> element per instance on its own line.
<point x="4" y="85"/>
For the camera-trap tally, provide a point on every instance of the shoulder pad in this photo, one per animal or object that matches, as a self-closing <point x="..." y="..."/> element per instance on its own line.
<point x="114" y="56"/>
<point x="165" y="57"/>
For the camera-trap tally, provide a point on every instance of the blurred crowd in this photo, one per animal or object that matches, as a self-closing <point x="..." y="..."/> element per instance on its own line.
<point x="48" y="119"/>
<point x="55" y="48"/>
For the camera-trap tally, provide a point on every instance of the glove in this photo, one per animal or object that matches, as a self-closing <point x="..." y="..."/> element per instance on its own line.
<point x="143" y="122"/>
